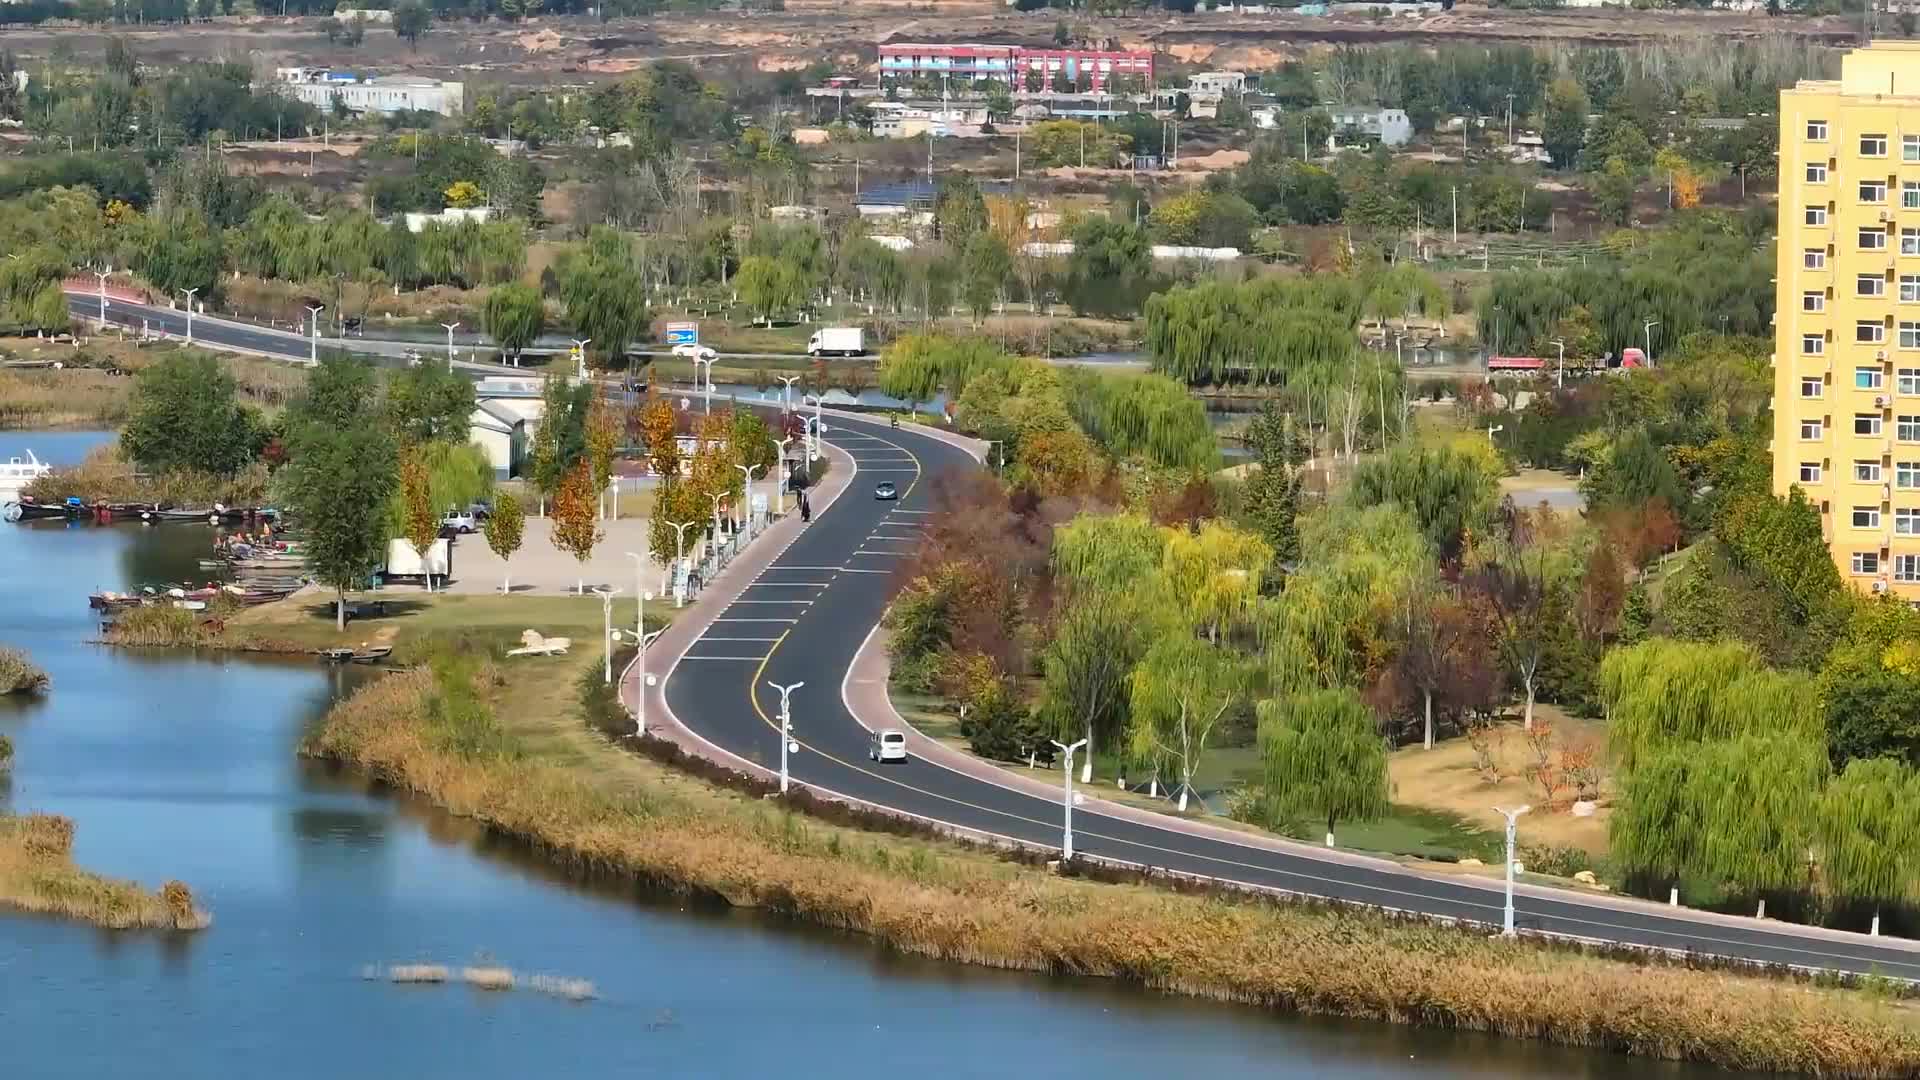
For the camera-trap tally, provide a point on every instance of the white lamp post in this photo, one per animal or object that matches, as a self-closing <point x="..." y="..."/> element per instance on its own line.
<point x="1560" y="379"/>
<point x="787" y="743"/>
<point x="451" y="327"/>
<point x="705" y="356"/>
<point x="580" y="355"/>
<point x="1513" y="820"/>
<point x="103" y="275"/>
<point x="606" y="634"/>
<point x="1651" y="323"/>
<point x="313" y="348"/>
<point x="680" y="560"/>
<point x="716" y="497"/>
<point x="746" y="498"/>
<point x="1066" y="781"/>
<point x="641" y="640"/>
<point x="786" y="392"/>
<point x="190" y="293"/>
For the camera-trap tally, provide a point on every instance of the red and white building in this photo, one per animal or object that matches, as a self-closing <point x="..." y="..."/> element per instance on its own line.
<point x="1011" y="64"/>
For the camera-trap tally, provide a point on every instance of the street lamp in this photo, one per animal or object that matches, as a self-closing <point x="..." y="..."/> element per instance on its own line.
<point x="813" y="446"/>
<point x="1493" y="428"/>
<point x="1651" y="323"/>
<point x="717" y="497"/>
<point x="313" y="350"/>
<point x="190" y="293"/>
<point x="705" y="356"/>
<point x="786" y="394"/>
<point x="1513" y="824"/>
<point x="641" y="640"/>
<point x="1560" y="379"/>
<point x="680" y="560"/>
<point x="606" y="596"/>
<point x="1001" y="451"/>
<point x="1066" y="780"/>
<point x="451" y="327"/>
<point x="787" y="743"/>
<point x="746" y="498"/>
<point x="103" y="275"/>
<point x="580" y="355"/>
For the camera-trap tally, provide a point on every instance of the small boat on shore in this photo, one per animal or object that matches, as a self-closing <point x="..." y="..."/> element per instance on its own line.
<point x="365" y="654"/>
<point x="16" y="474"/>
<point x="26" y="508"/>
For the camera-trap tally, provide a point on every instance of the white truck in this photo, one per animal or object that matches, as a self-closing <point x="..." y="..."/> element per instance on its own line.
<point x="838" y="341"/>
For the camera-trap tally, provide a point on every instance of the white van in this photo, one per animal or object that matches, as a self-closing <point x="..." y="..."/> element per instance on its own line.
<point x="887" y="745"/>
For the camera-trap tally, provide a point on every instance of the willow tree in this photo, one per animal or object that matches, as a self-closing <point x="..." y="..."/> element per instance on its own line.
<point x="1322" y="758"/>
<point x="1737" y="813"/>
<point x="1215" y="575"/>
<point x="1343" y="605"/>
<point x="1179" y="691"/>
<point x="1146" y="416"/>
<point x="918" y="366"/>
<point x="1869" y="834"/>
<point x="1451" y="494"/>
<point x="605" y="293"/>
<point x="1112" y="551"/>
<point x="1663" y="692"/>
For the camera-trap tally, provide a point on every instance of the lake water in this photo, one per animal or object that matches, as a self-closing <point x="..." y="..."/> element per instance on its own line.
<point x="175" y="765"/>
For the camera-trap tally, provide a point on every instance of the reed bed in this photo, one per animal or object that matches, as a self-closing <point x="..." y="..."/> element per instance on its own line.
<point x="107" y="476"/>
<point x="19" y="675"/>
<point x="944" y="901"/>
<point x="161" y="625"/>
<point x="487" y="978"/>
<point x="484" y="977"/>
<point x="57" y="399"/>
<point x="37" y="875"/>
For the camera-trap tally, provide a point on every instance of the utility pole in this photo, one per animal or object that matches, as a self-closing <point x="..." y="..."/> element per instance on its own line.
<point x="787" y="742"/>
<point x="1066" y="801"/>
<point x="1513" y="824"/>
<point x="1560" y="379"/>
<point x="190" y="293"/>
<point x="1016" y="153"/>
<point x="1509" y="120"/>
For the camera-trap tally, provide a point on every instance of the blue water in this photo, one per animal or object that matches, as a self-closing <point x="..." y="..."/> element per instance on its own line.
<point x="175" y="765"/>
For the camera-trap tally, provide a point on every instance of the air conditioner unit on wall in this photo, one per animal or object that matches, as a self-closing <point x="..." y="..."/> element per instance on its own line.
<point x="1879" y="586"/>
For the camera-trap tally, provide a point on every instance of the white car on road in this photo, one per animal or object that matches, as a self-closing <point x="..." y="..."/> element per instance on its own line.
<point x="887" y="745"/>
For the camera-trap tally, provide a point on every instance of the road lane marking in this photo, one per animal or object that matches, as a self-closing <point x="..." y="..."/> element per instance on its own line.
<point x="706" y="637"/>
<point x="788" y="584"/>
<point x="854" y="570"/>
<point x="756" y="620"/>
<point x="741" y="659"/>
<point x="800" y="602"/>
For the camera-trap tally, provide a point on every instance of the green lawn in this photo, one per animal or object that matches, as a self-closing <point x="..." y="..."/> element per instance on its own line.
<point x="484" y="620"/>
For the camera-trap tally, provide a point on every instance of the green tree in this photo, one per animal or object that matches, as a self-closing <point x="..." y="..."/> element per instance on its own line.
<point x="430" y="401"/>
<point x="504" y="529"/>
<point x="340" y="476"/>
<point x="1322" y="758"/>
<point x="985" y="269"/>
<point x="959" y="211"/>
<point x="1869" y="834"/>
<point x="1663" y="693"/>
<point x="184" y="415"/>
<point x="1110" y="270"/>
<point x="411" y="19"/>
<point x="514" y="317"/>
<point x="420" y="525"/>
<point x="1565" y="129"/>
<point x="1273" y="489"/>
<point x="605" y="293"/>
<point x="1449" y="493"/>
<point x="768" y="286"/>
<point x="1178" y="693"/>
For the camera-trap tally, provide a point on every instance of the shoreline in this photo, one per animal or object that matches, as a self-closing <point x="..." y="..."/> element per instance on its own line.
<point x="38" y="877"/>
<point x="622" y="815"/>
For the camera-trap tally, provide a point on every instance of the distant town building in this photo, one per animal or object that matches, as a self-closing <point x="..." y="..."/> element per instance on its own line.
<point x="452" y="215"/>
<point x="1011" y="64"/>
<point x="1217" y="82"/>
<point x="1372" y="123"/>
<point x="380" y="94"/>
<point x="370" y="16"/>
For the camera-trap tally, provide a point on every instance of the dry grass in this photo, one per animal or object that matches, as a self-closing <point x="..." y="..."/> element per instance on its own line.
<point x="19" y="675"/>
<point x="104" y="475"/>
<point x="945" y="901"/>
<point x="1445" y="779"/>
<point x="39" y="400"/>
<point x="487" y="978"/>
<point x="37" y="875"/>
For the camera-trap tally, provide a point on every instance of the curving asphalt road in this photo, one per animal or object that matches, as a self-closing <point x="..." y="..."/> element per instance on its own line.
<point x="807" y="614"/>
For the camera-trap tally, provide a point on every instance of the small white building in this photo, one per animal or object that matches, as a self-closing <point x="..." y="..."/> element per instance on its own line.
<point x="506" y="413"/>
<point x="1217" y="83"/>
<point x="452" y="215"/>
<point x="370" y="16"/>
<point x="1389" y="127"/>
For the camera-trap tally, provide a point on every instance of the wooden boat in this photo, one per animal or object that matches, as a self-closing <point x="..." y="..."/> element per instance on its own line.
<point x="108" y="600"/>
<point x="26" y="509"/>
<point x="366" y="654"/>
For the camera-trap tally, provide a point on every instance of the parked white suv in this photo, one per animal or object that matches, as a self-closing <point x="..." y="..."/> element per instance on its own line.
<point x="887" y="745"/>
<point x="460" y="521"/>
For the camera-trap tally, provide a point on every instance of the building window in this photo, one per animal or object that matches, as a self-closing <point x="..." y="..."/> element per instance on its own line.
<point x="1906" y="522"/>
<point x="1866" y="562"/>
<point x="1906" y="568"/>
<point x="1867" y="424"/>
<point x="1812" y="386"/>
<point x="1910" y="148"/>
<point x="1813" y="344"/>
<point x="1873" y="146"/>
<point x="1817" y="301"/>
<point x="1906" y="475"/>
<point x="1909" y="288"/>
<point x="1869" y="333"/>
<point x="1868" y="378"/>
<point x="1814" y="258"/>
<point x="1909" y="380"/>
<point x="1816" y="131"/>
<point x="1909" y="195"/>
<point x="1910" y="335"/>
<point x="1866" y="472"/>
<point x="1873" y="191"/>
<point x="1810" y="430"/>
<point x="1866" y="517"/>
<point x="1809" y="472"/>
<point x="1874" y="238"/>
<point x="1906" y="428"/>
<point x="1816" y="172"/>
<point x="1869" y="285"/>
<point x="1910" y="241"/>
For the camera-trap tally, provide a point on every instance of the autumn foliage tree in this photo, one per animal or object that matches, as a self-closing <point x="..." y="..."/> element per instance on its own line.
<point x="421" y="528"/>
<point x="505" y="527"/>
<point x="575" y="529"/>
<point x="659" y="431"/>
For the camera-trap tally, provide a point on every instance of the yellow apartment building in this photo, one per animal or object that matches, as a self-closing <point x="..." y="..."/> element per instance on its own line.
<point x="1847" y="328"/>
